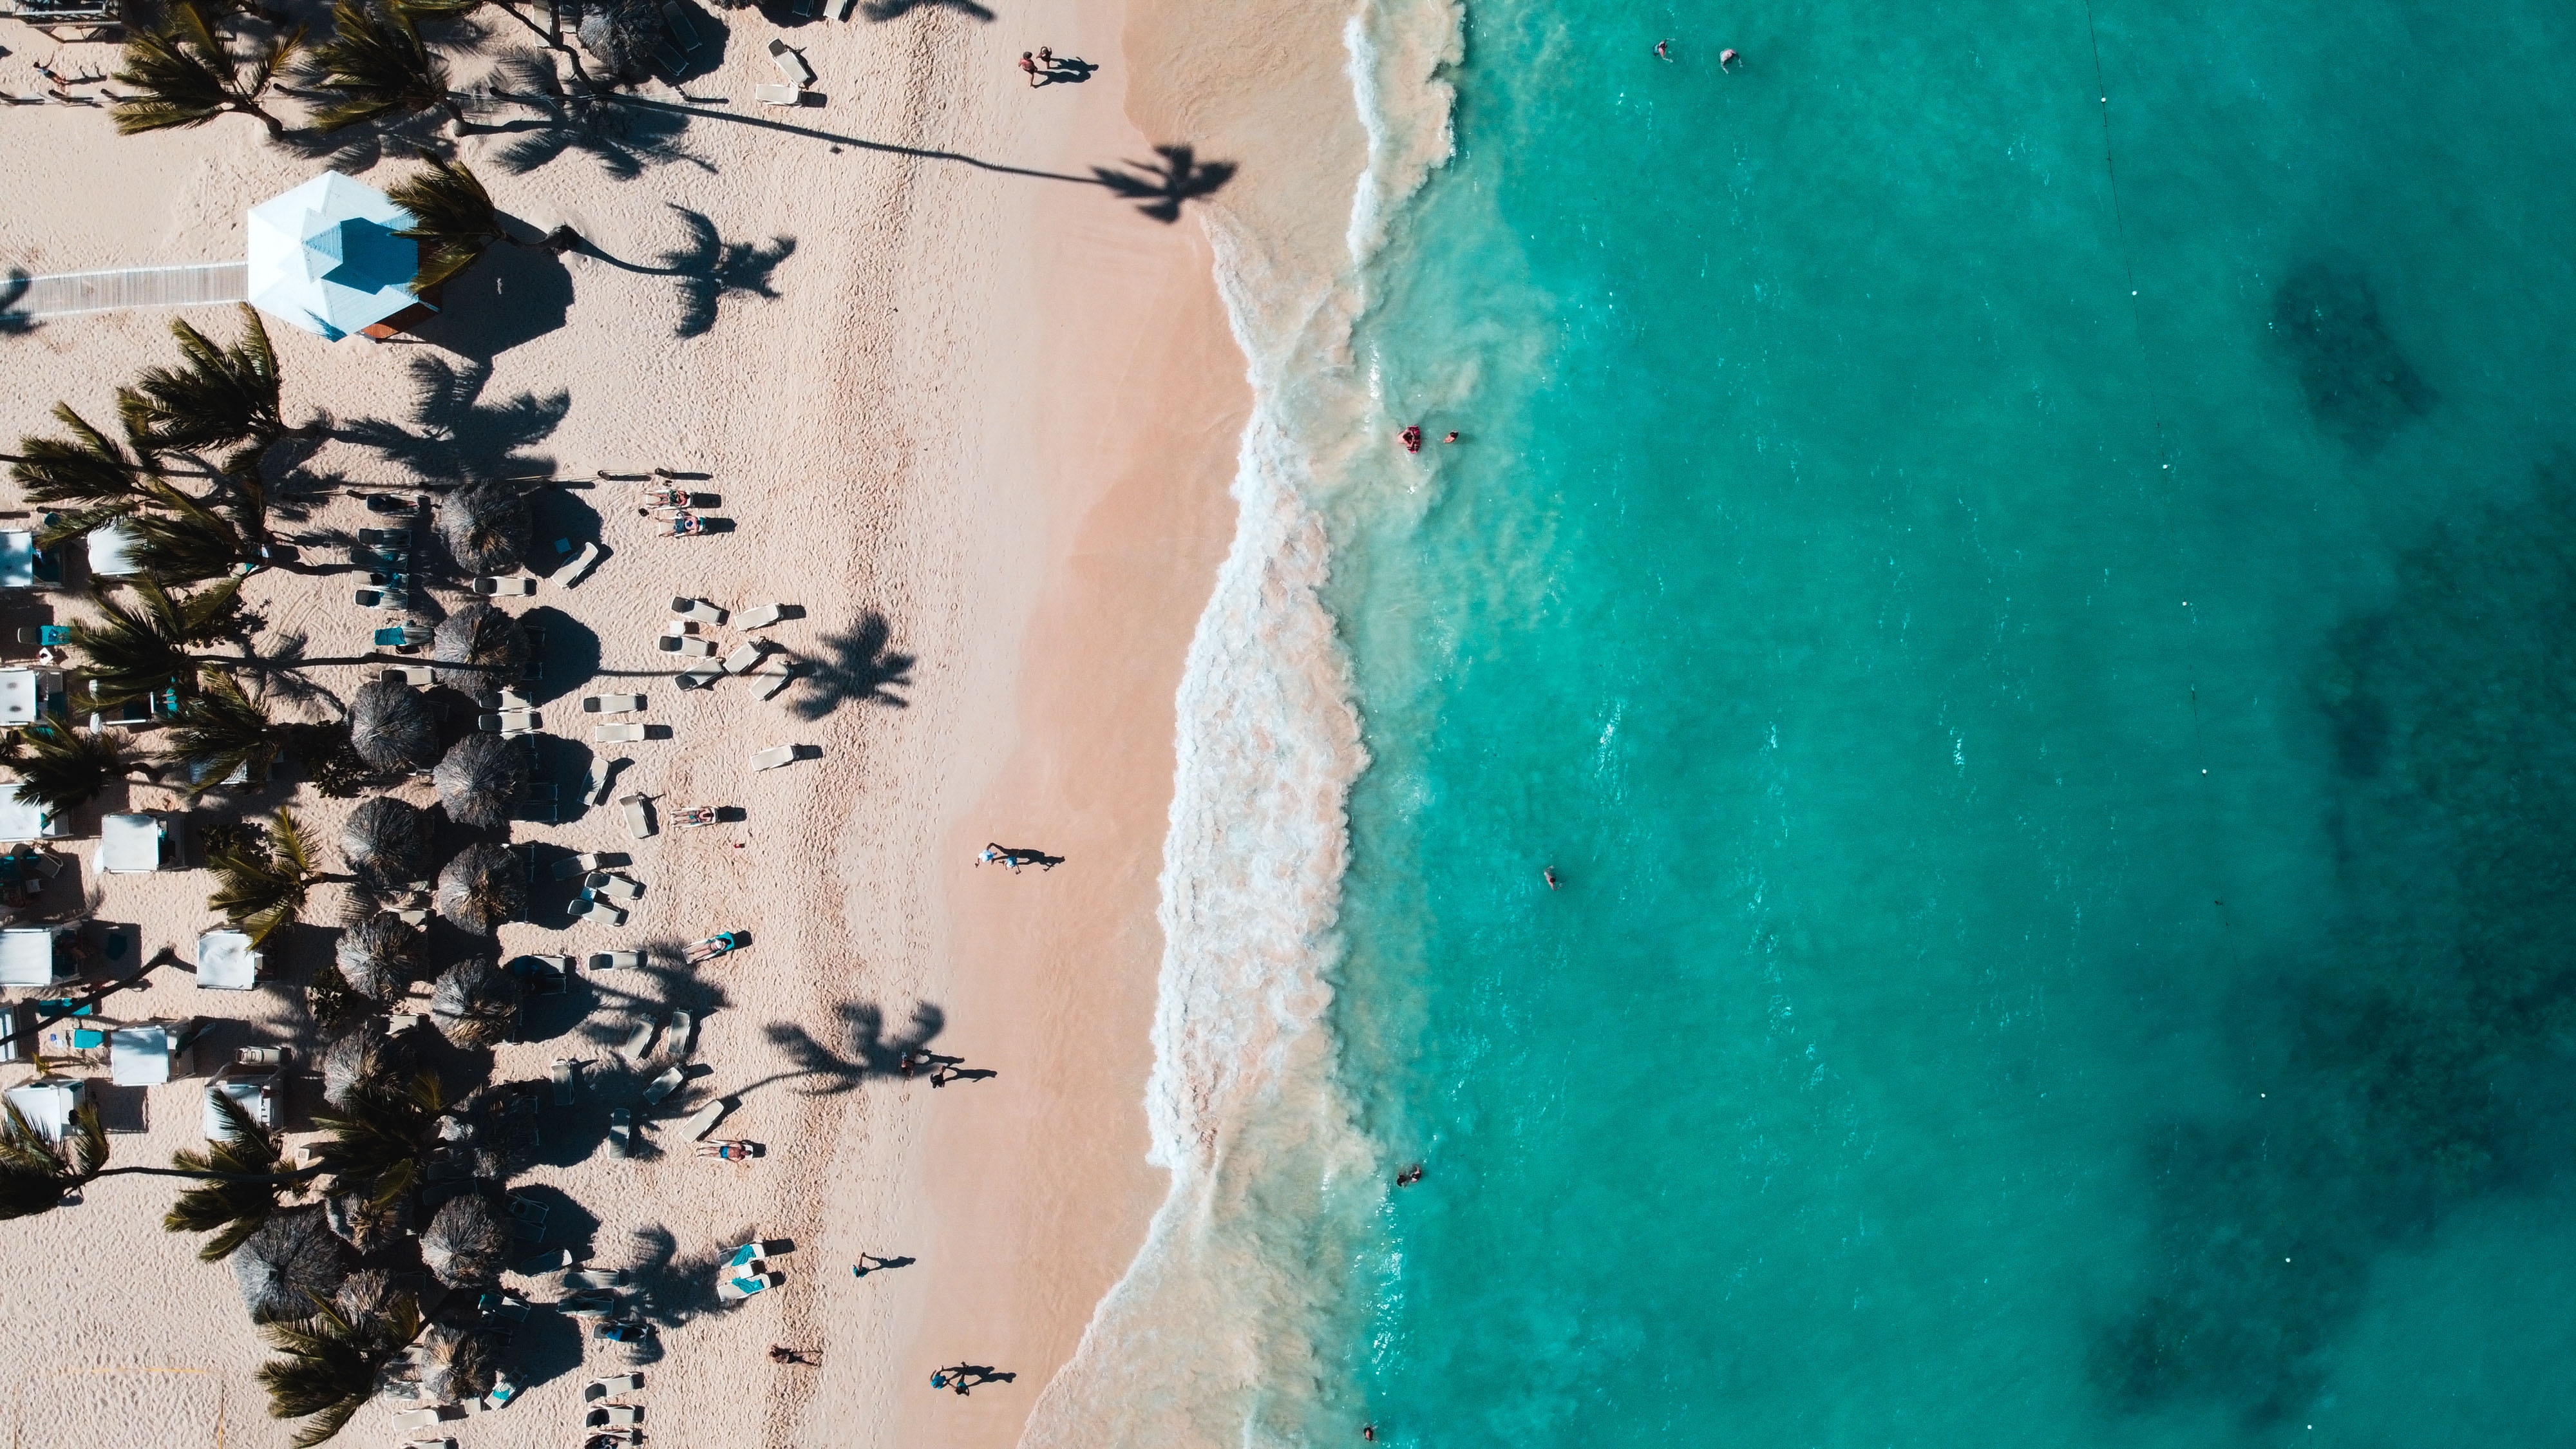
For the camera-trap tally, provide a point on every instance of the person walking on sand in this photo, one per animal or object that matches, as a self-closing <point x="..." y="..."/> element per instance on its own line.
<point x="1029" y="63"/>
<point x="1046" y="59"/>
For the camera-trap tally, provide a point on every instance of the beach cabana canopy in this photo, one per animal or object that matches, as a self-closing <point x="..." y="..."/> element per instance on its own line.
<point x="149" y="1053"/>
<point x="26" y="819"/>
<point x="132" y="843"/>
<point x="324" y="257"/>
<point x="32" y="955"/>
<point x="226" y="961"/>
<point x="48" y="1104"/>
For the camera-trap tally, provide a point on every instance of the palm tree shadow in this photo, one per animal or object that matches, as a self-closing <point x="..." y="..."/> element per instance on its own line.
<point x="828" y="1071"/>
<point x="858" y="670"/>
<point x="710" y="269"/>
<point x="882" y="11"/>
<point x="454" y="435"/>
<point x="361" y="147"/>
<point x="1160" y="188"/>
<point x="624" y="141"/>
<point x="13" y="286"/>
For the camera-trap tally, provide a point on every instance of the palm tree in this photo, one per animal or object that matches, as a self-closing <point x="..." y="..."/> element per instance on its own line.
<point x="91" y="474"/>
<point x="187" y="77"/>
<point x="137" y="650"/>
<point x="231" y="1210"/>
<point x="331" y="1363"/>
<point x="64" y="769"/>
<point x="454" y="215"/>
<point x="381" y="68"/>
<point x="375" y="1139"/>
<point x="262" y="894"/>
<point x="189" y="542"/>
<point x="220" y="397"/>
<point x="221" y="732"/>
<point x="37" y="1175"/>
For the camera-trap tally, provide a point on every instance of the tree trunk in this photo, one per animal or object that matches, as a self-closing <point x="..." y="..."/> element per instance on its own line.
<point x="298" y="1175"/>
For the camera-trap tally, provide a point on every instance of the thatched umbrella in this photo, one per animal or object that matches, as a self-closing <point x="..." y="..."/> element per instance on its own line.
<point x="482" y="887"/>
<point x="475" y="1003"/>
<point x="465" y="1242"/>
<point x="457" y="1365"/>
<point x="392" y="727"/>
<point x="291" y="1260"/>
<point x="480" y="779"/>
<point x="379" y="956"/>
<point x="485" y="527"/>
<point x="367" y="1295"/>
<point x="478" y="634"/>
<point x="620" y="36"/>
<point x="386" y="841"/>
<point x="365" y="1224"/>
<point x="363" y="1056"/>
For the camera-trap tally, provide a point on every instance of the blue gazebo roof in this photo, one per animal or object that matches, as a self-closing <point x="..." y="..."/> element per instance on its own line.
<point x="324" y="256"/>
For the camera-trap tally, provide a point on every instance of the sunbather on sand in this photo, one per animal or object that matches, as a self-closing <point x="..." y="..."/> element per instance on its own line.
<point x="713" y="946"/>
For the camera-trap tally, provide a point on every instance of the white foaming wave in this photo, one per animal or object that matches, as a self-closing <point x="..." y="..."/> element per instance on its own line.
<point x="1213" y="1336"/>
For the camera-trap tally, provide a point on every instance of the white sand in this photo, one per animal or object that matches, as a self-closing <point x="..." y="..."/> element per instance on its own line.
<point x="998" y="410"/>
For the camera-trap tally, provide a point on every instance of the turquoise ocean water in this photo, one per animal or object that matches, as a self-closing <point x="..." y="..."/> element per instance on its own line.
<point x="2040" y="634"/>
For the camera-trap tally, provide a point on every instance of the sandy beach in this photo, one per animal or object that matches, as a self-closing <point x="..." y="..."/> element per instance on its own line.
<point x="982" y="436"/>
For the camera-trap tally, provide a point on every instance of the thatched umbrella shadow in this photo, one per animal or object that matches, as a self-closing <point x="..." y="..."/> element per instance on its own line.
<point x="485" y="527"/>
<point x="292" y="1260"/>
<point x="481" y="636"/>
<point x="480" y="779"/>
<point x="392" y="727"/>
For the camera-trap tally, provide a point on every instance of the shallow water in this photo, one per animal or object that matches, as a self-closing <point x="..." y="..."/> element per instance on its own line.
<point x="2045" y="675"/>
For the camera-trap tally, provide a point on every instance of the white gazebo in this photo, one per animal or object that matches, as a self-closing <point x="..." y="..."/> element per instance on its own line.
<point x="48" y="1103"/>
<point x="150" y="1053"/>
<point x="132" y="844"/>
<point x="26" y="820"/>
<point x="33" y="955"/>
<point x="324" y="257"/>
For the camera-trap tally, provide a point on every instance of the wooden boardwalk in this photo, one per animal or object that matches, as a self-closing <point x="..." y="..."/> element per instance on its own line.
<point x="70" y="292"/>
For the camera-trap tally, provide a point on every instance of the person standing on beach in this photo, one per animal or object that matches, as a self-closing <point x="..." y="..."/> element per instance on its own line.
<point x="1029" y="63"/>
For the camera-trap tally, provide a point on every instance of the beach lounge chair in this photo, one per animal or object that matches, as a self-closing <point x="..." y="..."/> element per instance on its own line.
<point x="616" y="960"/>
<point x="526" y="1209"/>
<point x="582" y="864"/>
<point x="590" y="1304"/>
<point x="681" y="30"/>
<point x="639" y="815"/>
<point x="401" y="636"/>
<point x="674" y="64"/>
<point x="612" y="1414"/>
<point x="756" y="1253"/>
<point x="704" y="1120"/>
<point x="774" y="757"/>
<point x="422" y="1418"/>
<point x="596" y="1278"/>
<point x="762" y="617"/>
<point x="686" y="647"/>
<point x="402" y="503"/>
<point x="621" y="1131"/>
<point x="748" y="1284"/>
<point x="606" y="886"/>
<point x="610" y="1388"/>
<point x="382" y="599"/>
<point x="776" y="677"/>
<point x="775" y="95"/>
<point x="747" y="658"/>
<point x="663" y="1086"/>
<point x="509" y="722"/>
<point x="790" y="64"/>
<point x="702" y="677"/>
<point x="418" y="677"/>
<point x="503" y="1391"/>
<point x="612" y="704"/>
<point x="639" y="1043"/>
<point x="383" y="537"/>
<point x="698" y="610"/>
<point x="492" y="586"/>
<point x="676" y="1032"/>
<point x="591" y="908"/>
<point x="46" y="636"/>
<point x="544" y="1263"/>
<point x="562" y="1075"/>
<point x="616" y="734"/>
<point x="577" y="561"/>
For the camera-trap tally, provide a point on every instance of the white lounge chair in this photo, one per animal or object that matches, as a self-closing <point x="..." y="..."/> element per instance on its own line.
<point x="772" y="758"/>
<point x="639" y="815"/>
<point x="611" y="1387"/>
<point x="776" y="677"/>
<point x="612" y="704"/>
<point x="544" y="1263"/>
<point x="677" y="1035"/>
<point x="562" y="1076"/>
<point x="512" y="586"/>
<point x="596" y="1278"/>
<point x="610" y="887"/>
<point x="663" y="1086"/>
<point x="616" y="734"/>
<point x="422" y="1418"/>
<point x="578" y="562"/>
<point x="640" y="1042"/>
<point x="700" y="678"/>
<point x="746" y="658"/>
<point x="685" y="647"/>
<point x="509" y="722"/>
<point x="621" y="1131"/>
<point x="582" y="864"/>
<point x="778" y="95"/>
<point x="704" y="1120"/>
<point x="591" y="908"/>
<point x="610" y="1414"/>
<point x="748" y="1284"/>
<point x="699" y="610"/>
<point x="616" y="960"/>
<point x="411" y="674"/>
<point x="755" y="1253"/>
<point x="760" y="618"/>
<point x="789" y="63"/>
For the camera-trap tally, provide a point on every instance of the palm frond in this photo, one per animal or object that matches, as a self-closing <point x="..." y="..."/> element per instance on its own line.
<point x="63" y="769"/>
<point x="379" y="66"/>
<point x="452" y="213"/>
<point x="88" y="471"/>
<point x="221" y="732"/>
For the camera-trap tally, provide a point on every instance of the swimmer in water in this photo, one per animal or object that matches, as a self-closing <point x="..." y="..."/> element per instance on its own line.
<point x="1453" y="437"/>
<point x="1550" y="874"/>
<point x="1663" y="50"/>
<point x="1727" y="57"/>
